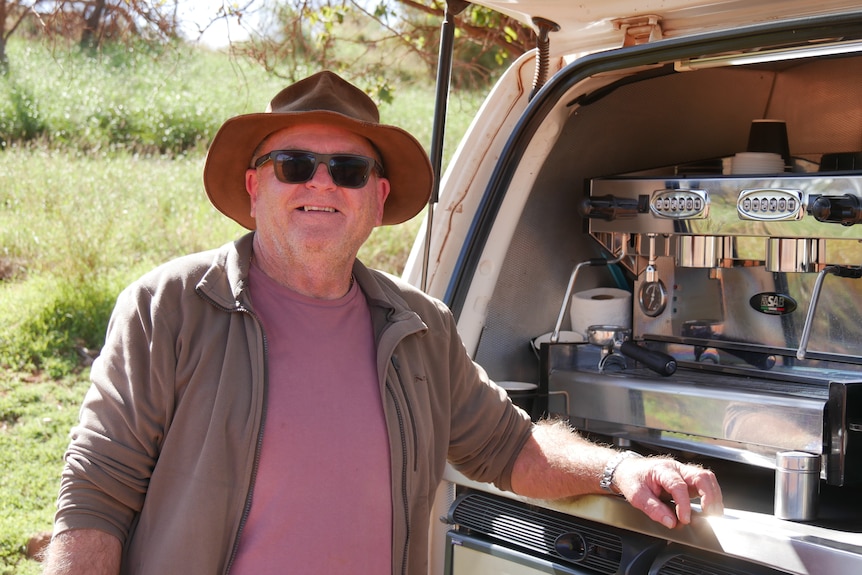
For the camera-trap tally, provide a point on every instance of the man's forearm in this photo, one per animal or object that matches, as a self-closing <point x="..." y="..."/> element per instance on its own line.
<point x="555" y="462"/>
<point x="83" y="552"/>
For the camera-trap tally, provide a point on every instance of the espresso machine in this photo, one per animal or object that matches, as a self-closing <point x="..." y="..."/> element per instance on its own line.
<point x="751" y="284"/>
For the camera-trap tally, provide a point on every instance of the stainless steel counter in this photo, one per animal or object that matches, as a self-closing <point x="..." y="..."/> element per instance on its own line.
<point x="799" y="548"/>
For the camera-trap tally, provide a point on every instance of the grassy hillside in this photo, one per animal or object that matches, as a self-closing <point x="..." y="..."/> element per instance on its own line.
<point x="100" y="179"/>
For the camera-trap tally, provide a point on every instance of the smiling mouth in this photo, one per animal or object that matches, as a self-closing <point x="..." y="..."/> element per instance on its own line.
<point x="317" y="209"/>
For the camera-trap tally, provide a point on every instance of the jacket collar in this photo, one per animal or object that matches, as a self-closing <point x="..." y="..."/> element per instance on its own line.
<point x="226" y="280"/>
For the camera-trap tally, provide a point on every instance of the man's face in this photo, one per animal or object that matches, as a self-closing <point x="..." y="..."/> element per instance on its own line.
<point x="316" y="217"/>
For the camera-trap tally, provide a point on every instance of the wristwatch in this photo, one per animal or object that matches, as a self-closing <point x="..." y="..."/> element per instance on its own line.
<point x="607" y="481"/>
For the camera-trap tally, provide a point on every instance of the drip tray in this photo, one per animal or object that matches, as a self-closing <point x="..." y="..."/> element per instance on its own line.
<point x="738" y="418"/>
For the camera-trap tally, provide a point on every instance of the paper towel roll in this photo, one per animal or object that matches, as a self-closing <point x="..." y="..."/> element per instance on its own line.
<point x="600" y="306"/>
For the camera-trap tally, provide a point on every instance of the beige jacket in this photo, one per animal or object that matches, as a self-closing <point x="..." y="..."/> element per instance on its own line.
<point x="165" y="454"/>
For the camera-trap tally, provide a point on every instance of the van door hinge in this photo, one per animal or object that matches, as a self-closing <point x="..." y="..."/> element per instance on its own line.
<point x="639" y="29"/>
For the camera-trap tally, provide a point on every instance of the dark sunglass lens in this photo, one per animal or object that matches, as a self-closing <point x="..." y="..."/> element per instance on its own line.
<point x="294" y="168"/>
<point x="348" y="171"/>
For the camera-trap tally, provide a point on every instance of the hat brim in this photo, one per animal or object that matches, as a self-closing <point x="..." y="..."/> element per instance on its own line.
<point x="405" y="162"/>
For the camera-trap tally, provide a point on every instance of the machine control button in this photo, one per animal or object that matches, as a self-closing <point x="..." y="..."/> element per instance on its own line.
<point x="680" y="204"/>
<point x="770" y="204"/>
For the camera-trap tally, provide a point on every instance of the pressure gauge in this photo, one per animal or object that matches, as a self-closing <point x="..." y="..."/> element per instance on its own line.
<point x="653" y="297"/>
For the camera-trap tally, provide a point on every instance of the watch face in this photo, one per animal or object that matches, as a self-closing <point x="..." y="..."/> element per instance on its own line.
<point x="653" y="298"/>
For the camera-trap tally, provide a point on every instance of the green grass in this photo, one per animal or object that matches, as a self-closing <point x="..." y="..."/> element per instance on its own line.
<point x="75" y="227"/>
<point x="35" y="416"/>
<point x="125" y="97"/>
<point x="100" y="180"/>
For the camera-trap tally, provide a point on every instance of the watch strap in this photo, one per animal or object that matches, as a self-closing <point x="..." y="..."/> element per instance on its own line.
<point x="607" y="480"/>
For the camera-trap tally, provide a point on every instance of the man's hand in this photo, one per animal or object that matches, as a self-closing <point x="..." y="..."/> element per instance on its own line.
<point x="651" y="484"/>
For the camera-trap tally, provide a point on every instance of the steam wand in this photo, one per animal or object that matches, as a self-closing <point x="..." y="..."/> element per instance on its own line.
<point x="555" y="336"/>
<point x="840" y="271"/>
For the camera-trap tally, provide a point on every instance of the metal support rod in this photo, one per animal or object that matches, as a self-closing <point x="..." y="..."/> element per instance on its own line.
<point x="444" y="75"/>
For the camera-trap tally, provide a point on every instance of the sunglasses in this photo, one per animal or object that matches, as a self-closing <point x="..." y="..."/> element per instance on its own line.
<point x="298" y="166"/>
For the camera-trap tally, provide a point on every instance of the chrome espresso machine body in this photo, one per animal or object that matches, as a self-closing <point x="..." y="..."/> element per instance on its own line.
<point x="750" y="283"/>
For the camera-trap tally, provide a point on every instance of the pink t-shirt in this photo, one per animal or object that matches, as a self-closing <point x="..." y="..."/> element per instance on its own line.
<point x="322" y="496"/>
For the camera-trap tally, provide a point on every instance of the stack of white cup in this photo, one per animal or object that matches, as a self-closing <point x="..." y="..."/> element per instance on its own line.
<point x="757" y="163"/>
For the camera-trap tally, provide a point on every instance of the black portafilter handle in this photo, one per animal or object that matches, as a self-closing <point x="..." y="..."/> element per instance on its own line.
<point x="658" y="361"/>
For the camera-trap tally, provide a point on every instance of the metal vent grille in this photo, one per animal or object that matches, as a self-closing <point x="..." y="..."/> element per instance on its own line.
<point x="683" y="565"/>
<point x="547" y="533"/>
<point x="677" y="561"/>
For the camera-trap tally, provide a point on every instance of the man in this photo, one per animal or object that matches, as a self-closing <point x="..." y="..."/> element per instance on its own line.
<point x="273" y="406"/>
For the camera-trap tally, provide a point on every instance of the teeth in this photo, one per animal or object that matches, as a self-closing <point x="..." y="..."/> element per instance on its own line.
<point x="317" y="209"/>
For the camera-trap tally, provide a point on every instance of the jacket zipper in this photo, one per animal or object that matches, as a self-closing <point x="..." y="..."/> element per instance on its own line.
<point x="404" y="454"/>
<point x="397" y="366"/>
<point x="256" y="461"/>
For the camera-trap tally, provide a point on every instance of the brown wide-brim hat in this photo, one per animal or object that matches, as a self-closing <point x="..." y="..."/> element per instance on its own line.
<point x="324" y="98"/>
